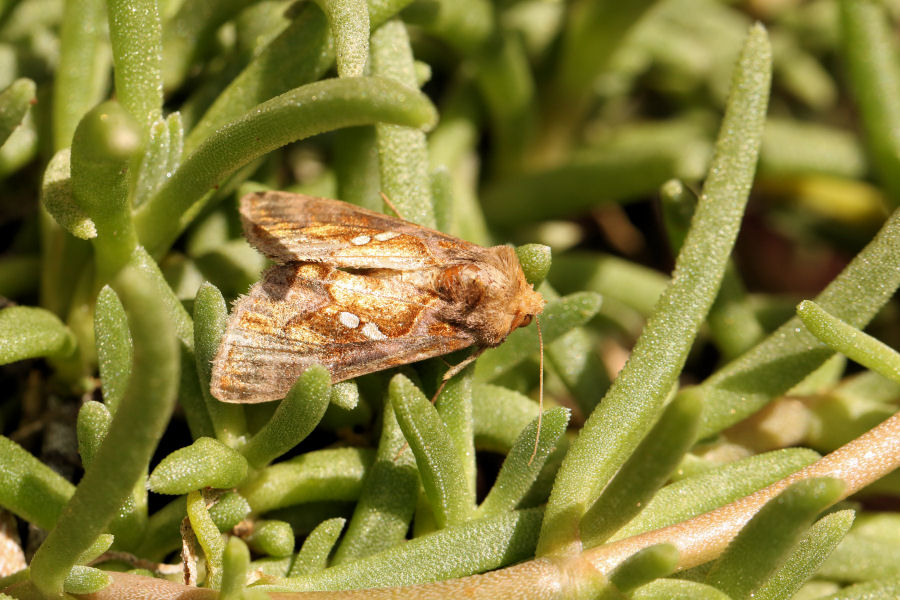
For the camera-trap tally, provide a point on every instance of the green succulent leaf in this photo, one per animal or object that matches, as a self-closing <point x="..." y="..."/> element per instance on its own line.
<point x="272" y="538"/>
<point x="58" y="199"/>
<point x="317" y="547"/>
<point x="27" y="332"/>
<point x="15" y="101"/>
<point x="440" y="467"/>
<point x="114" y="348"/>
<point x="85" y="580"/>
<point x="637" y="395"/>
<point x="307" y="110"/>
<point x="468" y="548"/>
<point x="768" y="538"/>
<point x="122" y="459"/>
<point x="205" y="463"/>
<point x="235" y="564"/>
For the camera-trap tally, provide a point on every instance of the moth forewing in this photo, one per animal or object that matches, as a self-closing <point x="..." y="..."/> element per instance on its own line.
<point x="358" y="292"/>
<point x="297" y="228"/>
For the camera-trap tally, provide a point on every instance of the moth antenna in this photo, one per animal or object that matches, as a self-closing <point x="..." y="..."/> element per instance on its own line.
<point x="537" y="437"/>
<point x="438" y="391"/>
<point x="401" y="451"/>
<point x="391" y="205"/>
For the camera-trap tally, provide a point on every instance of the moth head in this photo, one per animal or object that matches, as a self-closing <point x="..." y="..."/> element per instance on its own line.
<point x="529" y="303"/>
<point x="504" y="301"/>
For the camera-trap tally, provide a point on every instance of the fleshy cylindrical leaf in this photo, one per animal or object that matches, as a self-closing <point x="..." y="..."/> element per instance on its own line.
<point x="205" y="463"/>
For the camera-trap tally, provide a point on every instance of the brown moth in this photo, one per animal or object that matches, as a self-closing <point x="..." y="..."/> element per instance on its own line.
<point x="358" y="291"/>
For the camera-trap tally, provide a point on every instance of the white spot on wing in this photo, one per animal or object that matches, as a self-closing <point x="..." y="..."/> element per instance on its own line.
<point x="371" y="331"/>
<point x="348" y="320"/>
<point x="386" y="235"/>
<point x="360" y="240"/>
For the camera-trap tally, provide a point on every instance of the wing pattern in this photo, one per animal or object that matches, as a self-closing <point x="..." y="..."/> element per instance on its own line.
<point x="304" y="313"/>
<point x="291" y="227"/>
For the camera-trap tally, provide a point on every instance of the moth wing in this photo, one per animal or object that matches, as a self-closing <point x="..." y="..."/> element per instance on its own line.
<point x="293" y="227"/>
<point x="303" y="314"/>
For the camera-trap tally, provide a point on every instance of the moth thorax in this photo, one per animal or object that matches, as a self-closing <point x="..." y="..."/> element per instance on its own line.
<point x="462" y="284"/>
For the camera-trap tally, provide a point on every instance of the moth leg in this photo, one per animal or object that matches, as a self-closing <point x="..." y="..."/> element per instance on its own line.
<point x="455" y="370"/>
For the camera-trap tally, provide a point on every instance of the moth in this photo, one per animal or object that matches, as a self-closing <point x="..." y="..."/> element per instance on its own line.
<point x="358" y="291"/>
